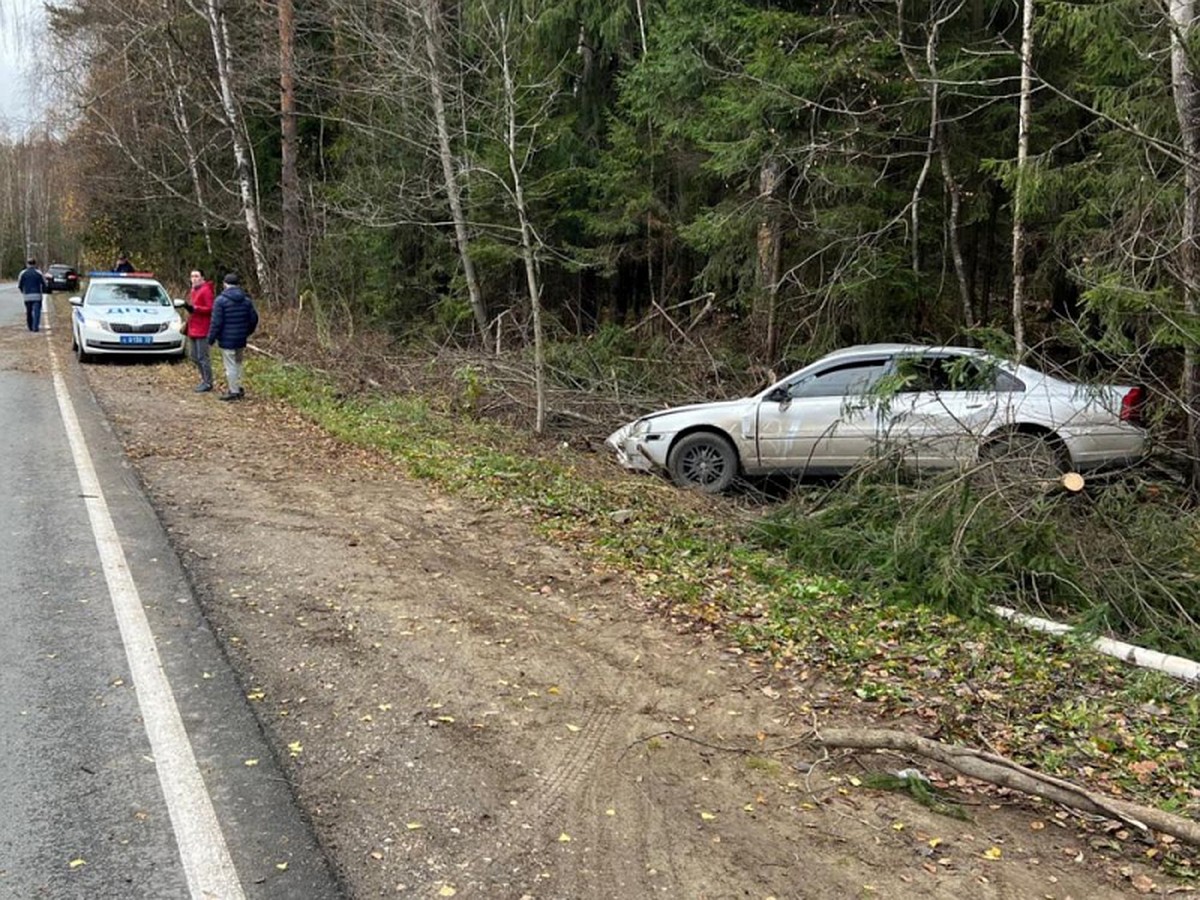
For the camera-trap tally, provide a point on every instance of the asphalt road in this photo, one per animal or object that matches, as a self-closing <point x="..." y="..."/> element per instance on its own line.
<point x="131" y="765"/>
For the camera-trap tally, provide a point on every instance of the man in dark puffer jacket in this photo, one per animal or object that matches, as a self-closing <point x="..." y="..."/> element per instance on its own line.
<point x="32" y="285"/>
<point x="234" y="319"/>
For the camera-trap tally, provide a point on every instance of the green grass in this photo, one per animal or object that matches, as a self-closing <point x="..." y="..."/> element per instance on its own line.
<point x="1046" y="702"/>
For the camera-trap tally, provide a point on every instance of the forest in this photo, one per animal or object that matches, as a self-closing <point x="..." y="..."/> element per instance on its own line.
<point x="743" y="182"/>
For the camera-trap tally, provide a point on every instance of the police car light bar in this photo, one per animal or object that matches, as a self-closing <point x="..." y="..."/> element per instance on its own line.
<point x="120" y="274"/>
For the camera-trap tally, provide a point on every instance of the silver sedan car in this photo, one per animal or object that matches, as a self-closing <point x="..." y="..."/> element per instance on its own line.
<point x="938" y="407"/>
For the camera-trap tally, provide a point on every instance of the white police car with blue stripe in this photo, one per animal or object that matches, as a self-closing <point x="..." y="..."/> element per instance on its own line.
<point x="126" y="313"/>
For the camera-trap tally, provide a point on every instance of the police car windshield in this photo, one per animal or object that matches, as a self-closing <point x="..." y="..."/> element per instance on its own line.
<point x="127" y="295"/>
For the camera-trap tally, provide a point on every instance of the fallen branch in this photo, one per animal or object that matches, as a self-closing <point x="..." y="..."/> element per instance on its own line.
<point x="1006" y="773"/>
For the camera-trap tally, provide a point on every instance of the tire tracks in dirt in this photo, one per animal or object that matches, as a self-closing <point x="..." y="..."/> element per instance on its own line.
<point x="466" y="694"/>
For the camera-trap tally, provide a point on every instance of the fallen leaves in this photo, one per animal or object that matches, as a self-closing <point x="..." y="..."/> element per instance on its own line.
<point x="1143" y="884"/>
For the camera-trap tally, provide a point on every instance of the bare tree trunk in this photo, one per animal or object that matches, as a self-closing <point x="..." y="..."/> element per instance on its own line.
<point x="218" y="30"/>
<point x="527" y="237"/>
<point x="936" y="144"/>
<point x="914" y="208"/>
<point x="770" y="252"/>
<point x="289" y="263"/>
<point x="641" y="17"/>
<point x="1019" y="235"/>
<point x="960" y="265"/>
<point x="952" y="189"/>
<point x="183" y="123"/>
<point x="430" y="14"/>
<point x="1187" y="109"/>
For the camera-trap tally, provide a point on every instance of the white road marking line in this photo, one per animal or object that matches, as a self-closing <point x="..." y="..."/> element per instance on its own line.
<point x="206" y="861"/>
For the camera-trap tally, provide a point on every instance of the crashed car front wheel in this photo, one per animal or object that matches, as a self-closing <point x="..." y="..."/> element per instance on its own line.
<point x="704" y="461"/>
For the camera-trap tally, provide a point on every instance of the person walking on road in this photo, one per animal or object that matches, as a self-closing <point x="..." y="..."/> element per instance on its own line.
<point x="32" y="284"/>
<point x="234" y="319"/>
<point x="200" y="305"/>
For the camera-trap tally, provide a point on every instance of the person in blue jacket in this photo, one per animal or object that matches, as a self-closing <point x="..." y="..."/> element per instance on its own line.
<point x="32" y="284"/>
<point x="234" y="319"/>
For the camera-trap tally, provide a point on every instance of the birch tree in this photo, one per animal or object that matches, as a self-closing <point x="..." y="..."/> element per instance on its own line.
<point x="1021" y="182"/>
<point x="213" y="13"/>
<point x="1184" y="87"/>
<point x="435" y="60"/>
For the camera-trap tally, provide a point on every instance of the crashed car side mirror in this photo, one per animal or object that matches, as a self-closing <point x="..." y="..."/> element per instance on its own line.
<point x="778" y="395"/>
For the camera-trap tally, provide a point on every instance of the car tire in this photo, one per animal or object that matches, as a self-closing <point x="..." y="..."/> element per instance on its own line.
<point x="80" y="354"/>
<point x="1021" y="456"/>
<point x="704" y="461"/>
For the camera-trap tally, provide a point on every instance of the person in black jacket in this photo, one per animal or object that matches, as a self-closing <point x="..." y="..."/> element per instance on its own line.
<point x="32" y="284"/>
<point x="234" y="319"/>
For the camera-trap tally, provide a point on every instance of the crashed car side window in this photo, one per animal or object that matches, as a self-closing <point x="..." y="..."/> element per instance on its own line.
<point x="937" y="374"/>
<point x="840" y="381"/>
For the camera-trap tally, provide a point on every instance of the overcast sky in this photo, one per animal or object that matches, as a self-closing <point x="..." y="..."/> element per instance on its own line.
<point x="22" y="31"/>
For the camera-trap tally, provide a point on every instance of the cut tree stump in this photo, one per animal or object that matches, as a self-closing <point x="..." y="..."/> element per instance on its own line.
<point x="1072" y="481"/>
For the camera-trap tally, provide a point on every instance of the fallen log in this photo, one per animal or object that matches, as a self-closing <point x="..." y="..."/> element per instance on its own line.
<point x="1005" y="772"/>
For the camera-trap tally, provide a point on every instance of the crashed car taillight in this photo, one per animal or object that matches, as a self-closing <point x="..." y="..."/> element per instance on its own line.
<point x="1132" y="404"/>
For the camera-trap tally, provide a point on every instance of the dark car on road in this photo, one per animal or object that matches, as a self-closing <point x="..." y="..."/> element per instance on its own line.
<point x="60" y="277"/>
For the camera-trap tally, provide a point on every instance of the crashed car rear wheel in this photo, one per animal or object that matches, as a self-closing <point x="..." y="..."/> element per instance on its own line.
<point x="1021" y="457"/>
<point x="704" y="461"/>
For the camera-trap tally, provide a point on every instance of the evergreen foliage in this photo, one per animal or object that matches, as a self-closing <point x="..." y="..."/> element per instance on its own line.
<point x="696" y="170"/>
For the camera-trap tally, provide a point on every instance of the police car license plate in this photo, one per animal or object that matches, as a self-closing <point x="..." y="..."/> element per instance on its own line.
<point x="136" y="339"/>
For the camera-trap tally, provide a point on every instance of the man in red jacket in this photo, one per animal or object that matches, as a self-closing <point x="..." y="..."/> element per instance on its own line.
<point x="200" y="305"/>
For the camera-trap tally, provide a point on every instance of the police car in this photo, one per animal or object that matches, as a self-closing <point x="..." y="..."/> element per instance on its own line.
<point x="126" y="313"/>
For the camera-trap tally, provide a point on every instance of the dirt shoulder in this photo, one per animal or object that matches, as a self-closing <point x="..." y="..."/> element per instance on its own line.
<point x="467" y="710"/>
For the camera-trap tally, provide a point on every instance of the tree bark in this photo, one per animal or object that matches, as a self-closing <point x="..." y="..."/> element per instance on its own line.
<point x="527" y="238"/>
<point x="770" y="241"/>
<point x="1019" y="237"/>
<point x="1187" y="110"/>
<point x="936" y="144"/>
<point x="430" y="15"/>
<point x="289" y="264"/>
<point x="183" y="123"/>
<point x="952" y="189"/>
<point x="218" y="29"/>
